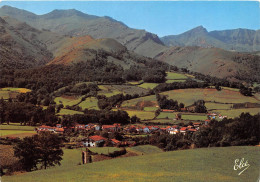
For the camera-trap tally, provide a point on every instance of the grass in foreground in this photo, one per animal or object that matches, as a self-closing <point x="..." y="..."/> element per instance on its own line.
<point x="197" y="165"/>
<point x="145" y="149"/>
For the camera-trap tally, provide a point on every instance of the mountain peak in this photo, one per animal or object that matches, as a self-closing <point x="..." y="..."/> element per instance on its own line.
<point x="57" y="13"/>
<point x="199" y="29"/>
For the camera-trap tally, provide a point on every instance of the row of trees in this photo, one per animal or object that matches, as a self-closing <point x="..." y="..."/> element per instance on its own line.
<point x="26" y="113"/>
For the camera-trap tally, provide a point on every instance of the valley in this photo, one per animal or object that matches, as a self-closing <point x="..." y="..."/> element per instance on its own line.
<point x="88" y="98"/>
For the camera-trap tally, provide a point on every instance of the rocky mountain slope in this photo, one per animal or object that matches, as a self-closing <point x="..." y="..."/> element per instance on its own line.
<point x="244" y="40"/>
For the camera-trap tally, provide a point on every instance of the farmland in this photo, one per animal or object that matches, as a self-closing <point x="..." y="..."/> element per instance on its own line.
<point x="206" y="164"/>
<point x="16" y="130"/>
<point x="189" y="96"/>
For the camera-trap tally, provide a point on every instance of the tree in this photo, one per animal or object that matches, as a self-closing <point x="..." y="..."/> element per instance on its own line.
<point x="28" y="153"/>
<point x="44" y="149"/>
<point x="134" y="119"/>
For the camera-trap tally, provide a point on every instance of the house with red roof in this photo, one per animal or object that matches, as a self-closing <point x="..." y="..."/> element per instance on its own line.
<point x="115" y="142"/>
<point x="80" y="127"/>
<point x="111" y="128"/>
<point x="94" y="141"/>
<point x="183" y="130"/>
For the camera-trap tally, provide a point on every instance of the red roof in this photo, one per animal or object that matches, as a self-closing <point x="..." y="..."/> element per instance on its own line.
<point x="59" y="129"/>
<point x="97" y="138"/>
<point x="207" y="120"/>
<point x="183" y="129"/>
<point x="108" y="126"/>
<point x="115" y="141"/>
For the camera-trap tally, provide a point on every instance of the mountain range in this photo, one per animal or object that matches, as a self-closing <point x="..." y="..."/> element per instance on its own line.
<point x="243" y="40"/>
<point x="69" y="36"/>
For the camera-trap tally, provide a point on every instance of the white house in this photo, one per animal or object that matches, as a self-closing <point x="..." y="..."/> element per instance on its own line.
<point x="94" y="141"/>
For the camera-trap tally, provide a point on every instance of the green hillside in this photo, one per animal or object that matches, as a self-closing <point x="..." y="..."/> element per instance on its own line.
<point x="207" y="164"/>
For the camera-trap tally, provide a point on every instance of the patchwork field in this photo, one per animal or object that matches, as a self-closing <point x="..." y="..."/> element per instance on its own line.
<point x="198" y="165"/>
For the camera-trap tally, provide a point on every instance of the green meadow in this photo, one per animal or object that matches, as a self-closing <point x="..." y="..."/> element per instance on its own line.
<point x="89" y="103"/>
<point x="196" y="165"/>
<point x="67" y="101"/>
<point x="143" y="115"/>
<point x="145" y="149"/>
<point x="189" y="96"/>
<point x="68" y="112"/>
<point x="175" y="76"/>
<point x="16" y="130"/>
<point x="148" y="85"/>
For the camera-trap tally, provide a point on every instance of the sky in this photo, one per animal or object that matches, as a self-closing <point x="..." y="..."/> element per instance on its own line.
<point x="160" y="17"/>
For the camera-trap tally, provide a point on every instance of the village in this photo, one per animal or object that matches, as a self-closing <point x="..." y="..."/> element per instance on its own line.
<point x="94" y="139"/>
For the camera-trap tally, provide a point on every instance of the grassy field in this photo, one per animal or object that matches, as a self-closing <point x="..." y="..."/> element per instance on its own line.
<point x="90" y="103"/>
<point x="67" y="100"/>
<point x="175" y="76"/>
<point x="236" y="112"/>
<point x="197" y="165"/>
<point x="68" y="112"/>
<point x="16" y="130"/>
<point x="167" y="115"/>
<point x="20" y="90"/>
<point x="16" y="126"/>
<point x="134" y="102"/>
<point x="145" y="149"/>
<point x="189" y="96"/>
<point x="170" y="115"/>
<point x="16" y="133"/>
<point x="148" y="85"/>
<point x="212" y="105"/>
<point x="150" y="108"/>
<point x="143" y="115"/>
<point x="104" y="150"/>
<point x="193" y="117"/>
